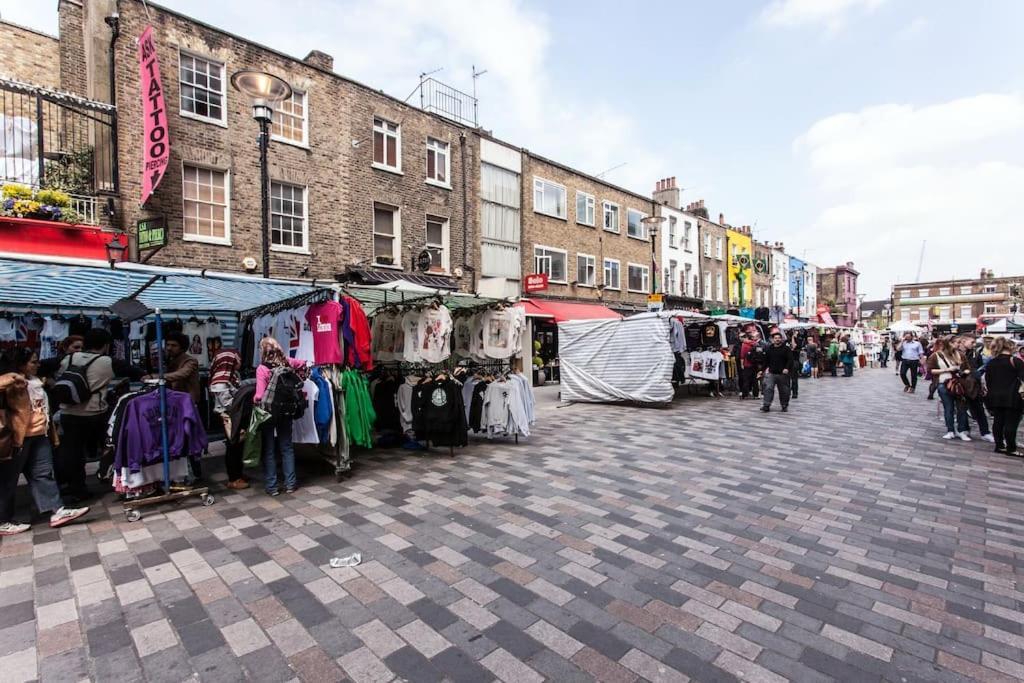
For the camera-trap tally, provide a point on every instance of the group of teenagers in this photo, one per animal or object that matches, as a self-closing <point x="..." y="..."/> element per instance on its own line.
<point x="972" y="378"/>
<point x="780" y="362"/>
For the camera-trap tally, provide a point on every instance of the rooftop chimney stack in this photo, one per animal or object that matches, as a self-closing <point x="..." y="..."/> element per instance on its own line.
<point x="320" y="59"/>
<point x="721" y="219"/>
<point x="665" y="192"/>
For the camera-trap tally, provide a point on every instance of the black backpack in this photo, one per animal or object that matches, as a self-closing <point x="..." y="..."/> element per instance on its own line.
<point x="759" y="355"/>
<point x="284" y="398"/>
<point x="72" y="386"/>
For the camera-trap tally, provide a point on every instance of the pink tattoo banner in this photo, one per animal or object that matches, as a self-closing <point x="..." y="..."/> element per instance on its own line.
<point x="156" y="149"/>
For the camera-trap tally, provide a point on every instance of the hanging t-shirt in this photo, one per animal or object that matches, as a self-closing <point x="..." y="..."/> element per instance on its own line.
<point x="54" y="332"/>
<point x="463" y="335"/>
<point x="137" y="342"/>
<point x="196" y="333"/>
<point x="80" y="325"/>
<point x="214" y="342"/>
<point x="435" y="331"/>
<point x="411" y="332"/>
<point x="383" y="336"/>
<point x="304" y="428"/>
<point x="476" y="337"/>
<point x="500" y="330"/>
<point x="262" y="326"/>
<point x="295" y="335"/>
<point x="323" y="319"/>
<point x="8" y="330"/>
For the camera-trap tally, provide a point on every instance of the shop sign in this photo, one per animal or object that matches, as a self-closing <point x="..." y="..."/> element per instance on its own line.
<point x="535" y="283"/>
<point x="152" y="233"/>
<point x="156" y="150"/>
<point x="655" y="302"/>
<point x="424" y="260"/>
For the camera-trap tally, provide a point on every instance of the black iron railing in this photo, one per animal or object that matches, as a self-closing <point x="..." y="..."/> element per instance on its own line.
<point x="438" y="98"/>
<point x="54" y="139"/>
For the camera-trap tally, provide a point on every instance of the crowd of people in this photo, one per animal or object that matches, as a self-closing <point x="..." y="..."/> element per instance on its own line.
<point x="973" y="379"/>
<point x="779" y="363"/>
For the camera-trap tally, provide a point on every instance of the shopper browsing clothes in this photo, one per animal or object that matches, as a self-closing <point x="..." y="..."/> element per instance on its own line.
<point x="779" y="362"/>
<point x="813" y="356"/>
<point x="276" y="387"/>
<point x="1004" y="375"/>
<point x="751" y="353"/>
<point x="182" y="370"/>
<point x="29" y="451"/>
<point x="224" y="383"/>
<point x="847" y="355"/>
<point x="973" y="398"/>
<point x="911" y="353"/>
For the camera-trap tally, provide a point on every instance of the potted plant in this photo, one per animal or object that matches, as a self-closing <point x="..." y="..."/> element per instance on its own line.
<point x="21" y="201"/>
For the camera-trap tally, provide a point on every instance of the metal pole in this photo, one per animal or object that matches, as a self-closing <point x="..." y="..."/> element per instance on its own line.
<point x="654" y="266"/>
<point x="164" y="445"/>
<point x="264" y="143"/>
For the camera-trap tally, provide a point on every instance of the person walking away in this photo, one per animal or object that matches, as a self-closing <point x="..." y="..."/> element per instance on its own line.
<point x="779" y="363"/>
<point x="749" y="366"/>
<point x="975" y="404"/>
<point x="84" y="424"/>
<point x="224" y="382"/>
<point x="947" y="366"/>
<point x="795" y="368"/>
<point x="833" y="356"/>
<point x="1004" y="375"/>
<point x="277" y="431"/>
<point x="21" y="386"/>
<point x="813" y="356"/>
<point x="911" y="351"/>
<point x="883" y="354"/>
<point x="847" y="355"/>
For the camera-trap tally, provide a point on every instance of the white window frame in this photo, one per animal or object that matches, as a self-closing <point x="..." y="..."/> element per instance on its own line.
<point x="923" y="313"/>
<point x="397" y="134"/>
<point x="943" y="291"/>
<point x="223" y="120"/>
<point x="446" y="241"/>
<point x="539" y="184"/>
<point x="304" y="142"/>
<point x="719" y="287"/>
<point x="707" y="246"/>
<point x="431" y="146"/>
<point x="565" y="256"/>
<point x="923" y="292"/>
<point x="687" y="235"/>
<point x="991" y="309"/>
<point x="589" y="209"/>
<point x="618" y="274"/>
<point x="965" y="311"/>
<point x="719" y="248"/>
<point x="671" y="280"/>
<point x="673" y="226"/>
<point x="989" y="289"/>
<point x="965" y="289"/>
<point x="396" y="253"/>
<point x="607" y="206"/>
<point x="707" y="286"/>
<point x="305" y="219"/>
<point x="187" y="237"/>
<point x="645" y="278"/>
<point x="643" y="228"/>
<point x="592" y="265"/>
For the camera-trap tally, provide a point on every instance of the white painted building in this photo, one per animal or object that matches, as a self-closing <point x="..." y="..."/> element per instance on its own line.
<point x="780" y="280"/>
<point x="501" y="169"/>
<point x="811" y="291"/>
<point x="678" y="246"/>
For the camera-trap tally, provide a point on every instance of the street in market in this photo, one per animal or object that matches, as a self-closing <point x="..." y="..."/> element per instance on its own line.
<point x="841" y="541"/>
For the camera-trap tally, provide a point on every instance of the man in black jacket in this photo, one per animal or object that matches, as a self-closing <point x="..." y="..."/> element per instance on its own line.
<point x="779" y="365"/>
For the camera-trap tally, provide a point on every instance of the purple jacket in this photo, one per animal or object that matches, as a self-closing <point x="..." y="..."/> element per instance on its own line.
<point x="138" y="443"/>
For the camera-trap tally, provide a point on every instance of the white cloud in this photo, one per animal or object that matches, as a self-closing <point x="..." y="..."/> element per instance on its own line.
<point x="831" y="14"/>
<point x="892" y="176"/>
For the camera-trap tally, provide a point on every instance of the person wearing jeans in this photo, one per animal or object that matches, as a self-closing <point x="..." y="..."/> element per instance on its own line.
<point x="946" y="364"/>
<point x="952" y="405"/>
<point x="911" y="351"/>
<point x="780" y="363"/>
<point x="1004" y="375"/>
<point x="277" y="441"/>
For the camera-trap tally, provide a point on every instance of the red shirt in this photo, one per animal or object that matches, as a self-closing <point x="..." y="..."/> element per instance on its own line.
<point x="745" y="349"/>
<point x="323" y="320"/>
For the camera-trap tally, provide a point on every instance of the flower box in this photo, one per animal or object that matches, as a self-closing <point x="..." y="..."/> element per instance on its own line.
<point x="52" y="238"/>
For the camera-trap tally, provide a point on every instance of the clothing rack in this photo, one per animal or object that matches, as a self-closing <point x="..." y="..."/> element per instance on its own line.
<point x="315" y="296"/>
<point x="131" y="507"/>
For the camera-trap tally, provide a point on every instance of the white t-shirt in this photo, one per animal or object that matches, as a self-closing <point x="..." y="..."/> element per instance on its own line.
<point x="196" y="333"/>
<point x="8" y="330"/>
<point x="411" y="331"/>
<point x="463" y="336"/>
<point x="304" y="428"/>
<point x="385" y="332"/>
<point x="293" y="333"/>
<point x="262" y="326"/>
<point x="501" y="330"/>
<point x="435" y="334"/>
<point x="54" y="332"/>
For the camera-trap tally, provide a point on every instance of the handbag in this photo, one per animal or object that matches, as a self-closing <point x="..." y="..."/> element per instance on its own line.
<point x="252" y="451"/>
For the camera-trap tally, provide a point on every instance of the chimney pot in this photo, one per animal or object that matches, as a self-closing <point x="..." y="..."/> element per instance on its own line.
<point x="673" y="181"/>
<point x="320" y="59"/>
<point x="721" y="219"/>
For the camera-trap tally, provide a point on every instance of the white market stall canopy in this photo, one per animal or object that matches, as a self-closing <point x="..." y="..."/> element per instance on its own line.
<point x="617" y="360"/>
<point x="903" y="326"/>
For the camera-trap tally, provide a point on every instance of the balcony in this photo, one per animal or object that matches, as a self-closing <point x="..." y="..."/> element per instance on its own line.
<point x="52" y="140"/>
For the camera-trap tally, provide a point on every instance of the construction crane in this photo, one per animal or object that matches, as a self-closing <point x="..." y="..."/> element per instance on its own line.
<point x="920" y="261"/>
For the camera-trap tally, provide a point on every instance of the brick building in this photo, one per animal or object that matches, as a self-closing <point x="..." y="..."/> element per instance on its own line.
<point x="714" y="269"/>
<point x="679" y="248"/>
<point x="586" y="235"/>
<point x="762" y="269"/>
<point x="965" y="301"/>
<point x="29" y="55"/>
<point x="360" y="182"/>
<point x="837" y="289"/>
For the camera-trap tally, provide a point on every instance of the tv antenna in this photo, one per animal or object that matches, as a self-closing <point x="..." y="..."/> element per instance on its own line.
<point x="476" y="104"/>
<point x="609" y="170"/>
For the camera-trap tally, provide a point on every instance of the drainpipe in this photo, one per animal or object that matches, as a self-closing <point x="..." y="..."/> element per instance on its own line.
<point x="114" y="22"/>
<point x="465" y="215"/>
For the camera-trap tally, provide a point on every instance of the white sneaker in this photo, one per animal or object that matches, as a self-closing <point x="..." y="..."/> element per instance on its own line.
<point x="988" y="437"/>
<point x="949" y="435"/>
<point x="963" y="436"/>
<point x="10" y="528"/>
<point x="66" y="515"/>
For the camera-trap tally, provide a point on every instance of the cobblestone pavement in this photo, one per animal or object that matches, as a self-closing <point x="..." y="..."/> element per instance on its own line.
<point x="844" y="540"/>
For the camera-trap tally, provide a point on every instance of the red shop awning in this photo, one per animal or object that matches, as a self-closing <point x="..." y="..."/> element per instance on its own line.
<point x="561" y="311"/>
<point x="826" y="318"/>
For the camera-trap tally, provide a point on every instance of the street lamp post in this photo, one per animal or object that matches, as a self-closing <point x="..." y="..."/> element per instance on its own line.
<point x="265" y="90"/>
<point x="652" y="223"/>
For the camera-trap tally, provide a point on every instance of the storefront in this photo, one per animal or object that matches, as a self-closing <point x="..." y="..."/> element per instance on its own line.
<point x="542" y="318"/>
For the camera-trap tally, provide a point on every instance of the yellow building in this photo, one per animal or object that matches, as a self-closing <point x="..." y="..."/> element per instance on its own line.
<point x="741" y="254"/>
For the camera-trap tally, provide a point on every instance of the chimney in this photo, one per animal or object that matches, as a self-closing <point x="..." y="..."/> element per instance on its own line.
<point x="320" y="59"/>
<point x="982" y="273"/>
<point x="721" y="219"/>
<point x="667" y="193"/>
<point x="672" y="180"/>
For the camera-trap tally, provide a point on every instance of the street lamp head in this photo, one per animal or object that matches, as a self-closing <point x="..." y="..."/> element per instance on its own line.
<point x="115" y="250"/>
<point x="652" y="223"/>
<point x="264" y="89"/>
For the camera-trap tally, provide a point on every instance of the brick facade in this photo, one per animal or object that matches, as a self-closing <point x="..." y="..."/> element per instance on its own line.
<point x="762" y="274"/>
<point x="963" y="300"/>
<point x="335" y="166"/>
<point x="29" y="56"/>
<point x="837" y="287"/>
<point x="713" y="261"/>
<point x="73" y="72"/>
<point x="574" y="238"/>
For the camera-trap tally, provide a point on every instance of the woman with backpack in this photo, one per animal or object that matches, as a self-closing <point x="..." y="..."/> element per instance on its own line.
<point x="1004" y="377"/>
<point x="23" y="391"/>
<point x="847" y="355"/>
<point x="947" y="365"/>
<point x="275" y="388"/>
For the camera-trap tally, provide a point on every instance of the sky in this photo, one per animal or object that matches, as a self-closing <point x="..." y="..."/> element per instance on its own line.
<point x="869" y="131"/>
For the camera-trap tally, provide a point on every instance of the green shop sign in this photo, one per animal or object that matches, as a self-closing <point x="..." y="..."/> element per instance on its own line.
<point x="152" y="233"/>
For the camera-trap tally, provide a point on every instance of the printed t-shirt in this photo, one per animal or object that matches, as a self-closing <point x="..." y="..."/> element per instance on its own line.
<point x="435" y="332"/>
<point x="323" y="320"/>
<point x="294" y="334"/>
<point x="383" y="338"/>
<point x="304" y="428"/>
<point x="411" y="331"/>
<point x="196" y="333"/>
<point x="137" y="342"/>
<point x="54" y="332"/>
<point x="262" y="326"/>
<point x="501" y="330"/>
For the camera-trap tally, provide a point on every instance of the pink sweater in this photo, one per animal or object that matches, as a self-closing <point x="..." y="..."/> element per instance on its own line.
<point x="263" y="377"/>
